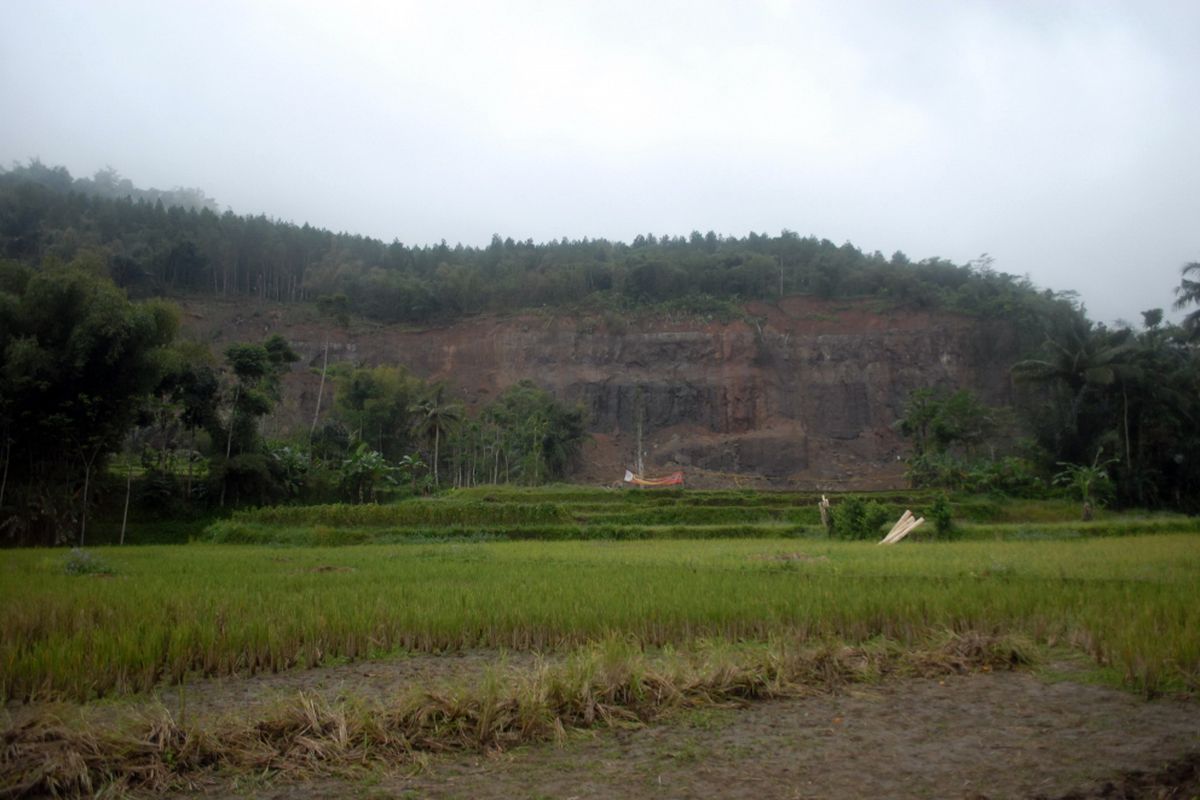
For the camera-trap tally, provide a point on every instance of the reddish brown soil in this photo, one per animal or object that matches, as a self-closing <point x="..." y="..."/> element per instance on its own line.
<point x="998" y="735"/>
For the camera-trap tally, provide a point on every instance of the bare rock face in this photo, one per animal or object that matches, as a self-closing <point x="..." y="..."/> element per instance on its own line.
<point x="803" y="395"/>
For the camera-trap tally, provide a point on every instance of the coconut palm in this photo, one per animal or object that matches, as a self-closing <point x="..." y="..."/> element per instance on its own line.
<point x="1082" y="362"/>
<point x="436" y="415"/>
<point x="1188" y="293"/>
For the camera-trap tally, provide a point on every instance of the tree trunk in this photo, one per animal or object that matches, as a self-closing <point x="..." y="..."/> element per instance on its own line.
<point x="191" y="452"/>
<point x="320" y="392"/>
<point x="639" y="409"/>
<point x="128" y="489"/>
<point x="87" y="476"/>
<point x="436" y="441"/>
<point x="229" y="442"/>
<point x="4" y="480"/>
<point x="1128" y="455"/>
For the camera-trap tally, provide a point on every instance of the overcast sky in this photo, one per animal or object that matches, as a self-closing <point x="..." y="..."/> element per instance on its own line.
<point x="1061" y="138"/>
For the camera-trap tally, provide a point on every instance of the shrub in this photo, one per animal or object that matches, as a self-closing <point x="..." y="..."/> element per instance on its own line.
<point x="940" y="514"/>
<point x="855" y="519"/>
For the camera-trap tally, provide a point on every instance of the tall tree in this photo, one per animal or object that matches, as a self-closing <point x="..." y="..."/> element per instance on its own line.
<point x="256" y="372"/>
<point x="436" y="415"/>
<point x="77" y="357"/>
<point x="1076" y="368"/>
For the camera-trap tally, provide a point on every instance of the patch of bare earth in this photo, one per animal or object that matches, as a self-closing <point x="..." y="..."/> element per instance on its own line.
<point x="981" y="735"/>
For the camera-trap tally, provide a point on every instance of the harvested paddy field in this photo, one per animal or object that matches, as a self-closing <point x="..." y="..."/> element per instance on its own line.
<point x="1040" y="732"/>
<point x="972" y="735"/>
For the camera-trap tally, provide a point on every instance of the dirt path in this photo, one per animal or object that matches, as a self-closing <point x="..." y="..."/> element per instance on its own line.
<point x="999" y="735"/>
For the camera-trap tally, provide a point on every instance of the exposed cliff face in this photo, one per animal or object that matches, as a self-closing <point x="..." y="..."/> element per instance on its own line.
<point x="806" y="397"/>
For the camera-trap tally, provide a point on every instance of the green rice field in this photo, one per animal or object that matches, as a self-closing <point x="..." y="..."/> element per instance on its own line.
<point x="445" y="580"/>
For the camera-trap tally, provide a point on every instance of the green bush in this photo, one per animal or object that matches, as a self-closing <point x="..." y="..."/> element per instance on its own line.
<point x="846" y="518"/>
<point x="943" y="523"/>
<point x="855" y="519"/>
<point x="1009" y="476"/>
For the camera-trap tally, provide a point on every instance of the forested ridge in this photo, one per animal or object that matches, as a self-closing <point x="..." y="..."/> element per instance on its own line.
<point x="90" y="365"/>
<point x="159" y="243"/>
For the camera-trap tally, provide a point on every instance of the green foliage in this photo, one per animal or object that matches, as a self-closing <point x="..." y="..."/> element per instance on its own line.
<point x="1088" y="482"/>
<point x="846" y="519"/>
<point x="289" y="467"/>
<point x="244" y="467"/>
<point x="436" y="418"/>
<point x="363" y="470"/>
<point x="376" y="405"/>
<point x="409" y="513"/>
<point x="76" y="357"/>
<point x="336" y="306"/>
<point x="1133" y="394"/>
<point x="537" y="437"/>
<point x="1009" y="476"/>
<point x="942" y="517"/>
<point x="412" y="471"/>
<point x="949" y="432"/>
<point x="938" y="422"/>
<point x="1187" y="293"/>
<point x="151" y="248"/>
<point x="855" y="519"/>
<point x="244" y="478"/>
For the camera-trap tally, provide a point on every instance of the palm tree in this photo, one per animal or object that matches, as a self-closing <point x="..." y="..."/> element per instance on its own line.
<point x="436" y="415"/>
<point x="1188" y="293"/>
<point x="1082" y="362"/>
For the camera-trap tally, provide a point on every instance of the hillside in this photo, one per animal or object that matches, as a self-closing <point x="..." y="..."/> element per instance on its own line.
<point x="774" y="359"/>
<point x="802" y="393"/>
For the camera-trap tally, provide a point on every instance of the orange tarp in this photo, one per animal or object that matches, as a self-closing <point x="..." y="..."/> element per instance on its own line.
<point x="674" y="479"/>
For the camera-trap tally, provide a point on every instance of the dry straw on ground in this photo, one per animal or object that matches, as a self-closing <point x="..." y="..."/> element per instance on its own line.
<point x="61" y="752"/>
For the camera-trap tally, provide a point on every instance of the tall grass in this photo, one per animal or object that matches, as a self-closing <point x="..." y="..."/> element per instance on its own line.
<point x="172" y="612"/>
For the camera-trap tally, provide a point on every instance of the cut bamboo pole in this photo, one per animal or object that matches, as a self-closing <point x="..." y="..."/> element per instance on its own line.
<point x="902" y="529"/>
<point x="905" y="517"/>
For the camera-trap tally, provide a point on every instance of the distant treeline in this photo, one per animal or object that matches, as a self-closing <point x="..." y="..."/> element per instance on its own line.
<point x="166" y="242"/>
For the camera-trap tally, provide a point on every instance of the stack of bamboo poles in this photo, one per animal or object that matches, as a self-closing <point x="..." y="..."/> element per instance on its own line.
<point x="903" y="527"/>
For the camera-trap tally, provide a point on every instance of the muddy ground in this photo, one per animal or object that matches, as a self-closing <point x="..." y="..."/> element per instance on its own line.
<point x="981" y="735"/>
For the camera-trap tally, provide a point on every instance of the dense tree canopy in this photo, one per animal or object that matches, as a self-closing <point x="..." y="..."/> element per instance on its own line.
<point x="150" y="247"/>
<point x="77" y="359"/>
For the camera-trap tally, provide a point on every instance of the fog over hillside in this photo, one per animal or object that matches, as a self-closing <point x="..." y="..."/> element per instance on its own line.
<point x="1058" y="138"/>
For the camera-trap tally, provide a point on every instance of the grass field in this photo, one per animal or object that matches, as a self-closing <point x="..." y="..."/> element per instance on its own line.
<point x="167" y="613"/>
<point x="643" y="602"/>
